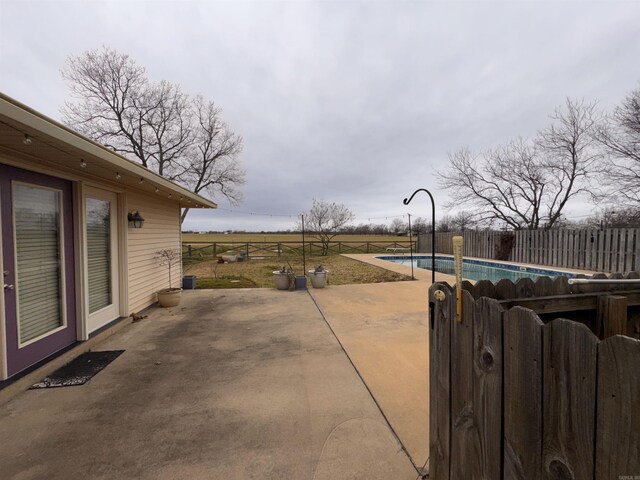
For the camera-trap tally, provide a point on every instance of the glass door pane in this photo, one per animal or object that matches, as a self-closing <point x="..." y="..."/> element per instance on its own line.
<point x="38" y="260"/>
<point x="99" y="253"/>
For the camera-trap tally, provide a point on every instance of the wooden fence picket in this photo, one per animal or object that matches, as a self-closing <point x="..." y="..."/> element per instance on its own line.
<point x="505" y="288"/>
<point x="611" y="250"/>
<point x="440" y="383"/>
<point x="525" y="288"/>
<point x="487" y="388"/>
<point x="543" y="287"/>
<point x="561" y="286"/>
<point x="464" y="438"/>
<point x="569" y="390"/>
<point x="515" y="398"/>
<point x="522" y="394"/>
<point x="484" y="288"/>
<point x="618" y="416"/>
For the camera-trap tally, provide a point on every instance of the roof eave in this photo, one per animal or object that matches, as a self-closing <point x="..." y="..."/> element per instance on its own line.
<point x="31" y="118"/>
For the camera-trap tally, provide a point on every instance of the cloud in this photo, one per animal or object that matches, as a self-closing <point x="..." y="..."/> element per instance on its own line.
<point x="357" y="102"/>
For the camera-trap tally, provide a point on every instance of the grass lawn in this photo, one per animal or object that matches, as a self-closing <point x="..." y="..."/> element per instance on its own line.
<point x="259" y="272"/>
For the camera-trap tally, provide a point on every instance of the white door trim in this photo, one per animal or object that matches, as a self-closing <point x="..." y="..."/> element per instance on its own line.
<point x="4" y="371"/>
<point x="111" y="312"/>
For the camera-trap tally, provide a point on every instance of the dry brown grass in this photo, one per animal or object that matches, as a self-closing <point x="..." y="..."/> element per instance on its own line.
<point x="342" y="270"/>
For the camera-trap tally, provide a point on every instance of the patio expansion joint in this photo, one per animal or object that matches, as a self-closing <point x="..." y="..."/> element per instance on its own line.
<point x="419" y="470"/>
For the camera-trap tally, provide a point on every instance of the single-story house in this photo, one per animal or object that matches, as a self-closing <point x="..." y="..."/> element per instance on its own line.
<point x="73" y="259"/>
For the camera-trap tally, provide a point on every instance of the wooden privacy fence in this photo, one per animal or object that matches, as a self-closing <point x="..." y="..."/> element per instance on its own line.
<point x="610" y="250"/>
<point x="516" y="395"/>
<point x="210" y="250"/>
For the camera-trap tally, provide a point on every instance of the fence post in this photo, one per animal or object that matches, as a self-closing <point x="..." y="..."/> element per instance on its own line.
<point x="215" y="249"/>
<point x="611" y="316"/>
<point x="190" y="256"/>
<point x="279" y="249"/>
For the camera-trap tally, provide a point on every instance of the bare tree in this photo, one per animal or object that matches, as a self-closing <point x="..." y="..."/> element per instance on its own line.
<point x="167" y="133"/>
<point x="398" y="226"/>
<point x="363" y="229"/>
<point x="325" y="220"/>
<point x="168" y="258"/>
<point x="504" y="185"/>
<point x="524" y="183"/>
<point x="570" y="153"/>
<point x="462" y="221"/>
<point x="114" y="103"/>
<point x="420" y="225"/>
<point x="444" y="224"/>
<point x="619" y="134"/>
<point x="379" y="229"/>
<point x="215" y="168"/>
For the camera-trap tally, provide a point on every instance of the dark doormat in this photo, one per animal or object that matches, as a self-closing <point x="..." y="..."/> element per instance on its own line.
<point x="79" y="370"/>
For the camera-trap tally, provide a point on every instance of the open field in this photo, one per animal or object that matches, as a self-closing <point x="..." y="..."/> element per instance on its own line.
<point x="201" y="247"/>
<point x="258" y="273"/>
<point x="280" y="237"/>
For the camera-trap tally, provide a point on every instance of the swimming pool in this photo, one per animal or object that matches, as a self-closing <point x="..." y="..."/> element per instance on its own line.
<point x="478" y="269"/>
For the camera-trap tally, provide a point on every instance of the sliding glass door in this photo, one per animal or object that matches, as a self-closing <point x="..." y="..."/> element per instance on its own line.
<point x="36" y="215"/>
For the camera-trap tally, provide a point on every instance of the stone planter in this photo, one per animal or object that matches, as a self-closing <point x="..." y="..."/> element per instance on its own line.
<point x="318" y="279"/>
<point x="169" y="297"/>
<point x="281" y="279"/>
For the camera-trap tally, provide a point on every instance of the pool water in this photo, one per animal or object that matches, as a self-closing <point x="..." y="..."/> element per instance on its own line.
<point x="478" y="269"/>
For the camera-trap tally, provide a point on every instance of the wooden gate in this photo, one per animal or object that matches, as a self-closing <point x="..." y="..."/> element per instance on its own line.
<point x="517" y="394"/>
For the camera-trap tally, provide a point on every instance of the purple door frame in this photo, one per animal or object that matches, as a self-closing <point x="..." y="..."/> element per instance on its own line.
<point x="20" y="358"/>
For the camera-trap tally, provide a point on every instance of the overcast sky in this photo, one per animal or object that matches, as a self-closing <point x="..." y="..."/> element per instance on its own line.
<point x="356" y="102"/>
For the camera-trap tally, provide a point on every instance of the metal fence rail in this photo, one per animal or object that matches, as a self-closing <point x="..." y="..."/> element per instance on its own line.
<point x="209" y="250"/>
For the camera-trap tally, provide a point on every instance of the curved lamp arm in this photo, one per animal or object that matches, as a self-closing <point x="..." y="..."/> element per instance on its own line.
<point x="407" y="201"/>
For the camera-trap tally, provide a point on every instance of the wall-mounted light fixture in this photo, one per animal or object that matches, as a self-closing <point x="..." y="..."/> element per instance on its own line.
<point x="27" y="139"/>
<point x="83" y="164"/>
<point x="118" y="176"/>
<point x="135" y="219"/>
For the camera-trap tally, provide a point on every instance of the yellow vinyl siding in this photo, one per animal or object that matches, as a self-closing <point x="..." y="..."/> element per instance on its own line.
<point x="161" y="230"/>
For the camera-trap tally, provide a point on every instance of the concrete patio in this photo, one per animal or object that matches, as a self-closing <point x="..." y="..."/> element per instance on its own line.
<point x="233" y="384"/>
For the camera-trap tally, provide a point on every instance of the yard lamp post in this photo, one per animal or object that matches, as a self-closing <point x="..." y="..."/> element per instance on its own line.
<point x="411" y="247"/>
<point x="304" y="259"/>
<point x="407" y="201"/>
